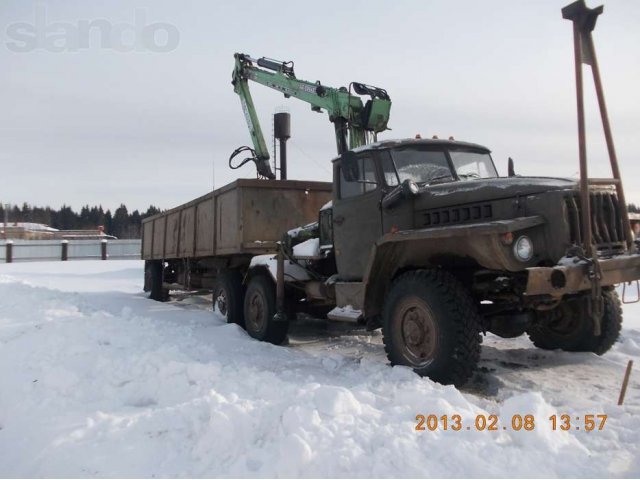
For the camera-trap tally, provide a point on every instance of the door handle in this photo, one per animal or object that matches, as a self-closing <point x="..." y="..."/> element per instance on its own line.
<point x="339" y="220"/>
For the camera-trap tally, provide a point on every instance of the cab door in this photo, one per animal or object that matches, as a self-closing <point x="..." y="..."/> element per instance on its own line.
<point x="357" y="219"/>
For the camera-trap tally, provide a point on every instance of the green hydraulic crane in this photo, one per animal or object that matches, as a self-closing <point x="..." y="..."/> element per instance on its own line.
<point x="355" y="123"/>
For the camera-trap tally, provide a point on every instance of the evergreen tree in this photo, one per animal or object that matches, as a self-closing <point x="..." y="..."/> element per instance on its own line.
<point x="152" y="210"/>
<point x="108" y="223"/>
<point x="120" y="222"/>
<point x="135" y="225"/>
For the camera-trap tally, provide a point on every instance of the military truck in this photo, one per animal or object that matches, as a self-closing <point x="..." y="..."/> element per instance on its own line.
<point x="423" y="237"/>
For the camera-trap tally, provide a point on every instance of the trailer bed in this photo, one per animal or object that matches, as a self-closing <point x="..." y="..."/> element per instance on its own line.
<point x="243" y="217"/>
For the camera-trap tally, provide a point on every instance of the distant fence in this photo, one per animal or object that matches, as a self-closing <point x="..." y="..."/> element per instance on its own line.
<point x="41" y="250"/>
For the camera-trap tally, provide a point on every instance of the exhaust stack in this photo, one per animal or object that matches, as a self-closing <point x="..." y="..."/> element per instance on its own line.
<point x="282" y="131"/>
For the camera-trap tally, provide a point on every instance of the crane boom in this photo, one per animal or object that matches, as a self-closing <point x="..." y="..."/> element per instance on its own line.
<point x="355" y="123"/>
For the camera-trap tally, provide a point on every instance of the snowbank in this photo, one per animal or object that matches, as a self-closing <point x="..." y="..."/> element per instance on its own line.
<point x="98" y="381"/>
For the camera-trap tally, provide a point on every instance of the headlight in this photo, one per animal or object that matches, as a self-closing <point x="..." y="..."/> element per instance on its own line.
<point x="523" y="248"/>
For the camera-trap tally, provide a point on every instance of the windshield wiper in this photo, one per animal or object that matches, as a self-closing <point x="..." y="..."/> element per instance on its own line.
<point x="469" y="175"/>
<point x="434" y="180"/>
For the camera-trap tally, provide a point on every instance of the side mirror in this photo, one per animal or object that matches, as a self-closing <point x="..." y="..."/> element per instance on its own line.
<point x="510" y="169"/>
<point x="350" y="169"/>
<point x="406" y="189"/>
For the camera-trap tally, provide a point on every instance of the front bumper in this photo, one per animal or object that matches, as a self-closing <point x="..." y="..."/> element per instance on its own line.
<point x="576" y="277"/>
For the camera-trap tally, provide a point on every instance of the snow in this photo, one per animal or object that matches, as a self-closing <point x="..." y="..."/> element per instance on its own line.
<point x="292" y="271"/>
<point x="30" y="226"/>
<point x="308" y="248"/>
<point x="344" y="313"/>
<point x="98" y="381"/>
<point x="294" y="232"/>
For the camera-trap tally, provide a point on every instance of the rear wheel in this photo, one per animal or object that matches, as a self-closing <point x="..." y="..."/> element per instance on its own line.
<point x="228" y="296"/>
<point x="155" y="273"/>
<point x="431" y="324"/>
<point x="147" y="276"/>
<point x="259" y="311"/>
<point x="569" y="326"/>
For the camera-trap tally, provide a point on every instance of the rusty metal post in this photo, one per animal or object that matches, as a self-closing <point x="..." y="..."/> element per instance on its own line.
<point x="625" y="382"/>
<point x="8" y="255"/>
<point x="582" y="149"/>
<point x="613" y="158"/>
<point x="280" y="280"/>
<point x="584" y="21"/>
<point x="103" y="249"/>
<point x="585" y="210"/>
<point x="64" y="256"/>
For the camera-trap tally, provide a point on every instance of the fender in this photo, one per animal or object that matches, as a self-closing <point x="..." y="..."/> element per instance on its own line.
<point x="473" y="244"/>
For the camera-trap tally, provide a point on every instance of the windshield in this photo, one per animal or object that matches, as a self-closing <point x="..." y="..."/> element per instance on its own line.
<point x="425" y="166"/>
<point x="470" y="165"/>
<point x="420" y="166"/>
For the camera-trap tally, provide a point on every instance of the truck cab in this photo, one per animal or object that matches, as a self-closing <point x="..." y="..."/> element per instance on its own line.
<point x="400" y="170"/>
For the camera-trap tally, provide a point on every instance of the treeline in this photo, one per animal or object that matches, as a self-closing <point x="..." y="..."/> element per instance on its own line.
<point x="120" y="223"/>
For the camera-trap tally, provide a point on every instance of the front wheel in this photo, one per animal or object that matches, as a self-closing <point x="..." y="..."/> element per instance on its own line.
<point x="259" y="311"/>
<point x="569" y="326"/>
<point x="431" y="324"/>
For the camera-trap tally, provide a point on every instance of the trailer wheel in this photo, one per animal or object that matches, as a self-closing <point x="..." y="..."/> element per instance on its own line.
<point x="147" y="276"/>
<point x="228" y="296"/>
<point x="158" y="293"/>
<point x="259" y="310"/>
<point x="569" y="327"/>
<point x="431" y="324"/>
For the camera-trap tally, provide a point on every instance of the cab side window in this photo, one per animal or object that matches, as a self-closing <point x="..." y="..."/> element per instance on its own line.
<point x="366" y="181"/>
<point x="389" y="170"/>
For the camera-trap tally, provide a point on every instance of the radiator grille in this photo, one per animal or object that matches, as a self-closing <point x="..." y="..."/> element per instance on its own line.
<point x="606" y="222"/>
<point x="449" y="216"/>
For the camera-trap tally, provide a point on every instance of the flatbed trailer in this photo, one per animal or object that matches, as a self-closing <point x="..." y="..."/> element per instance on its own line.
<point x="194" y="244"/>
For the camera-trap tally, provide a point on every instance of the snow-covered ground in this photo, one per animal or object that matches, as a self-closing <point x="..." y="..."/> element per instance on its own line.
<point x="98" y="381"/>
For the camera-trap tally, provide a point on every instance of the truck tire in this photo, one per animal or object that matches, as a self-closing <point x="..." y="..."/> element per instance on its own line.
<point x="569" y="327"/>
<point x="259" y="309"/>
<point x="156" y="277"/>
<point x="431" y="324"/>
<point x="147" y="276"/>
<point x="228" y="297"/>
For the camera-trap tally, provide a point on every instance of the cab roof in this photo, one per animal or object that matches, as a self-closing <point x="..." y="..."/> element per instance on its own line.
<point x="387" y="144"/>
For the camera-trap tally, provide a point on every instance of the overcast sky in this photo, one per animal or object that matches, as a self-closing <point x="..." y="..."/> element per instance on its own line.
<point x="94" y="124"/>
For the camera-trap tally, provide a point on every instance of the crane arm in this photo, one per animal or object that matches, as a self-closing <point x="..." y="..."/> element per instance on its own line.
<point x="352" y="120"/>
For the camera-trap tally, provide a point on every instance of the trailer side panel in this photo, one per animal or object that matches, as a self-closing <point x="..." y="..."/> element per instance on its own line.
<point x="205" y="246"/>
<point x="186" y="232"/>
<point x="244" y="217"/>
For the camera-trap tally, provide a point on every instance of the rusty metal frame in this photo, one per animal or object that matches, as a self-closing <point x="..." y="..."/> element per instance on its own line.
<point x="584" y="21"/>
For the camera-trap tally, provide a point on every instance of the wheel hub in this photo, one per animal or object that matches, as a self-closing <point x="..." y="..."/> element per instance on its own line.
<point x="564" y="320"/>
<point x="418" y="331"/>
<point x="220" y="302"/>
<point x="413" y="329"/>
<point x="256" y="311"/>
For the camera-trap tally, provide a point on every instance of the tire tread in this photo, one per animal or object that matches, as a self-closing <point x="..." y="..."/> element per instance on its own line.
<point x="462" y="311"/>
